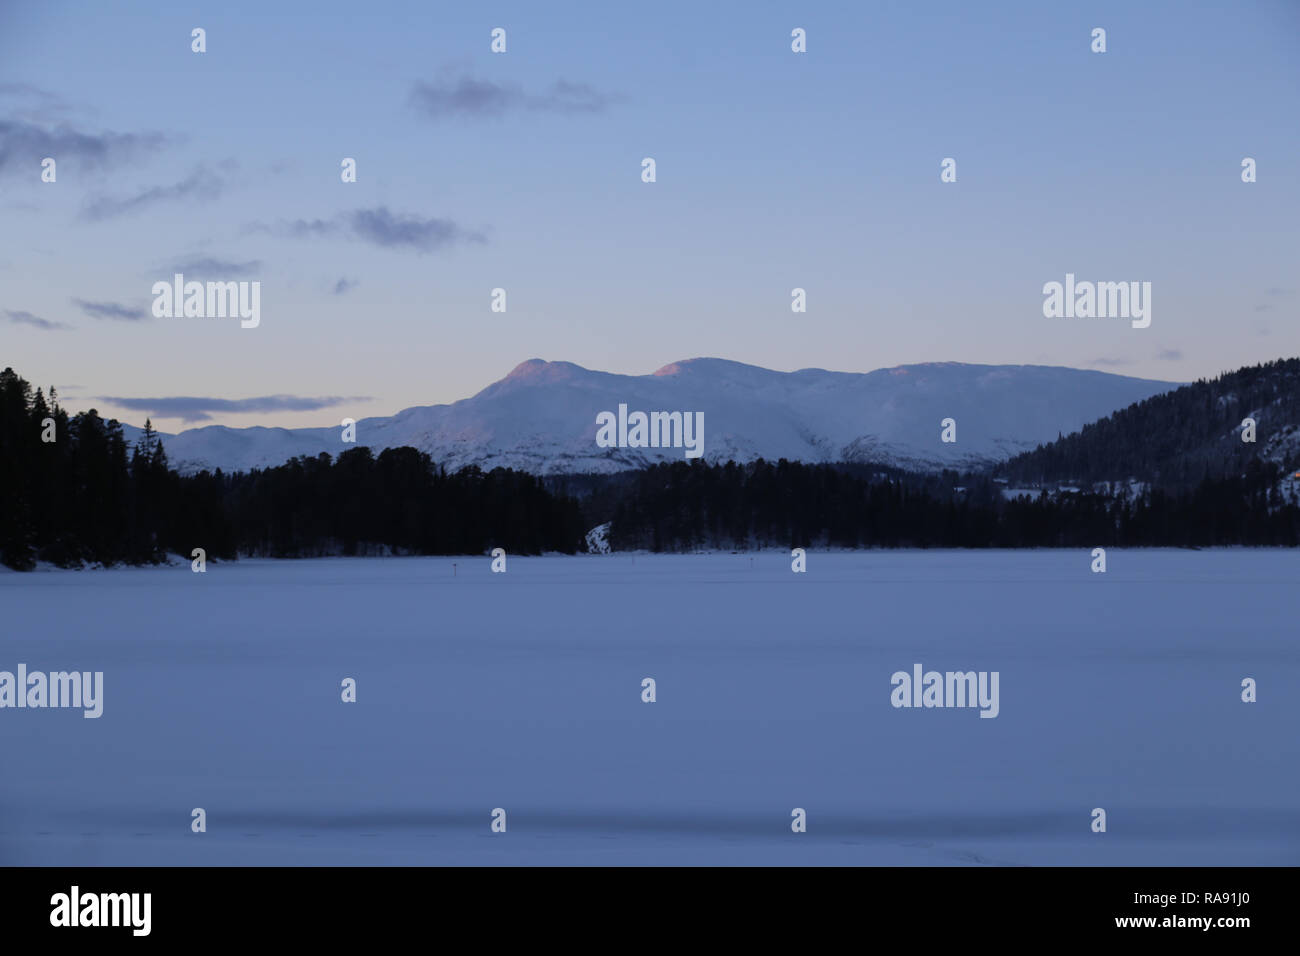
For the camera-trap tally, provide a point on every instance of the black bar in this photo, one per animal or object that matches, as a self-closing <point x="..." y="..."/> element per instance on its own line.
<point x="373" y="905"/>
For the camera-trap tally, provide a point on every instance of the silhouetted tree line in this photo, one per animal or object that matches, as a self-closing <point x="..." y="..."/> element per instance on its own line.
<point x="82" y="495"/>
<point x="684" y="506"/>
<point x="90" y="496"/>
<point x="1178" y="439"/>
<point x="398" y="500"/>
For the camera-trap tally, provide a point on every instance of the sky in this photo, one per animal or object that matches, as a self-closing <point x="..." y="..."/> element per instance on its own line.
<point x="522" y="171"/>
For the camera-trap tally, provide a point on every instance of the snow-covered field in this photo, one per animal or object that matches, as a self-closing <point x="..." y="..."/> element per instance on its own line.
<point x="523" y="691"/>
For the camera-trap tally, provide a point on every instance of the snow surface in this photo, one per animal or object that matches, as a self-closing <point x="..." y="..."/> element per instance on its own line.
<point x="523" y="691"/>
<point x="542" y="417"/>
<point x="598" y="539"/>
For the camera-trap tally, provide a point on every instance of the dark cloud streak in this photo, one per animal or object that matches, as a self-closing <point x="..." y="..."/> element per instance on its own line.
<point x="111" y="310"/>
<point x="27" y="136"/>
<point x="221" y="268"/>
<point x="379" y="227"/>
<point x="382" y="228"/>
<point x="465" y="96"/>
<point x="19" y="317"/>
<point x="201" y="409"/>
<point x="201" y="184"/>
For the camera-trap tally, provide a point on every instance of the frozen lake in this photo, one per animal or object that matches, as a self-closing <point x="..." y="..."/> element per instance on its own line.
<point x="523" y="691"/>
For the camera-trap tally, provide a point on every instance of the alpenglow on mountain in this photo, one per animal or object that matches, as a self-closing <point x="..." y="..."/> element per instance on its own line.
<point x="541" y="417"/>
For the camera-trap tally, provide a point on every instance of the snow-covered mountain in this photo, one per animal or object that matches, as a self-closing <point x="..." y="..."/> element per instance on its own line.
<point x="542" y="417"/>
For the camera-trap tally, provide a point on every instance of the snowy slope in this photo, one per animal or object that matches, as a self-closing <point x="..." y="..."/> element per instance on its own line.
<point x="522" y="690"/>
<point x="542" y="417"/>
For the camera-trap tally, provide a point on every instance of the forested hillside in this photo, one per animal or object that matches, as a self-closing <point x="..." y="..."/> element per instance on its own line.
<point x="1178" y="439"/>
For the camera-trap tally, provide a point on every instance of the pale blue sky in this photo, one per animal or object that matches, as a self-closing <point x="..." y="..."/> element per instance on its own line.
<point x="775" y="170"/>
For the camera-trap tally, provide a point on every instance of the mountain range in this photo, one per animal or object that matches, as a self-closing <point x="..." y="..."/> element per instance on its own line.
<point x="542" y="417"/>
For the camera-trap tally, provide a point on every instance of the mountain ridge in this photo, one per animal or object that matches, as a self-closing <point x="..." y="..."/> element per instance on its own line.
<point x="541" y="417"/>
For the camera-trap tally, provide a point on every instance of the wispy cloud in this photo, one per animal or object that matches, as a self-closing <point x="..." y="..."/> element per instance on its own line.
<point x="306" y="228"/>
<point x="200" y="409"/>
<point x="1169" y="355"/>
<point x="27" y="134"/>
<point x="23" y="143"/>
<point x="345" y="285"/>
<point x="380" y="227"/>
<point x="32" y="103"/>
<point x="19" y="317"/>
<point x="29" y="91"/>
<point x="206" y="265"/>
<point x="465" y="96"/>
<point x="1274" y="292"/>
<point x="203" y="183"/>
<point x="111" y="310"/>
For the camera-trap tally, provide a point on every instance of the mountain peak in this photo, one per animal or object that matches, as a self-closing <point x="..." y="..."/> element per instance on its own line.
<point x="527" y="368"/>
<point x="536" y="371"/>
<point x="716" y="367"/>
